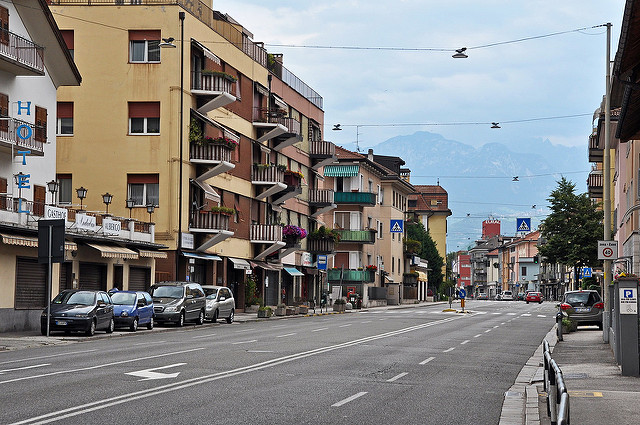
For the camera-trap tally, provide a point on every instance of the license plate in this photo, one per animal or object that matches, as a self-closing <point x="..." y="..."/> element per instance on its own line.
<point x="582" y="309"/>
<point x="61" y="322"/>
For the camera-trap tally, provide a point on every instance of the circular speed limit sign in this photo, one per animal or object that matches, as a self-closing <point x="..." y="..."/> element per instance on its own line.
<point x="607" y="252"/>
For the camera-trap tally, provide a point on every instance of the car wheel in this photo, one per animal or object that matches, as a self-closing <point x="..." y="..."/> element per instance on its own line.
<point x="230" y="318"/>
<point x="150" y="324"/>
<point x="540" y="302"/>
<point x="112" y="326"/>
<point x="214" y="319"/>
<point x="600" y="325"/>
<point x="200" y="318"/>
<point x="43" y="331"/>
<point x="92" y="328"/>
<point x="134" y="325"/>
<point x="527" y="302"/>
<point x="181" y="320"/>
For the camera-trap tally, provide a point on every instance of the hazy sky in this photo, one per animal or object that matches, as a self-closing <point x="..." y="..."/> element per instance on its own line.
<point x="543" y="77"/>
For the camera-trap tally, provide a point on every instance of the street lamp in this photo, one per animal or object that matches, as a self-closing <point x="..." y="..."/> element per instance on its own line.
<point x="150" y="209"/>
<point x="460" y="53"/>
<point x="107" y="198"/>
<point x="82" y="193"/>
<point x="52" y="186"/>
<point x="130" y="204"/>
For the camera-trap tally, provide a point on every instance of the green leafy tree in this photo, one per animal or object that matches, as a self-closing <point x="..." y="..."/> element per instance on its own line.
<point x="428" y="251"/>
<point x="572" y="230"/>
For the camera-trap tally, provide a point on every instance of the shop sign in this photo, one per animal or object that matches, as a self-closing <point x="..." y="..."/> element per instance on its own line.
<point x="111" y="227"/>
<point x="86" y="222"/>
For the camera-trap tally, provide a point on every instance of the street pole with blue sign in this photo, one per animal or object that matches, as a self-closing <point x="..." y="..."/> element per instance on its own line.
<point x="322" y="267"/>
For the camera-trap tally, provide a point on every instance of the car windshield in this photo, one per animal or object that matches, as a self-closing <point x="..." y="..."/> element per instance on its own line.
<point x="582" y="298"/>
<point x="168" y="292"/>
<point x="76" y="298"/>
<point x="211" y="293"/>
<point x="123" y="298"/>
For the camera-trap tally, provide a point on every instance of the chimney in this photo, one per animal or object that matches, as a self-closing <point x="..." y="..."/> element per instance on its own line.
<point x="370" y="155"/>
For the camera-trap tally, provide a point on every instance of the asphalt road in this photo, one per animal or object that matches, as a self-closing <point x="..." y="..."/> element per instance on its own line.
<point x="401" y="366"/>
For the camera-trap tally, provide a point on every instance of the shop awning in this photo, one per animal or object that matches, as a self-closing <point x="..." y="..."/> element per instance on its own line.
<point x="422" y="276"/>
<point x="341" y="170"/>
<point x="108" y="251"/>
<point x="210" y="257"/>
<point x="151" y="254"/>
<point x="208" y="190"/>
<point x="293" y="271"/>
<point x="207" y="53"/>
<point x="239" y="263"/>
<point x="280" y="103"/>
<point x="266" y="266"/>
<point x="31" y="242"/>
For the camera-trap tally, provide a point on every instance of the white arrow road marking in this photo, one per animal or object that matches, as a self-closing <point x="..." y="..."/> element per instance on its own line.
<point x="147" y="374"/>
<point x="23" y="368"/>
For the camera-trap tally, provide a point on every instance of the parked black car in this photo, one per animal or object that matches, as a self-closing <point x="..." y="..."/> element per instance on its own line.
<point x="79" y="310"/>
<point x="178" y="302"/>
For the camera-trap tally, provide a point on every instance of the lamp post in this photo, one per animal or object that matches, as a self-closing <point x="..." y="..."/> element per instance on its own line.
<point x="130" y="204"/>
<point x="82" y="193"/>
<point x="52" y="186"/>
<point x="150" y="209"/>
<point x="107" y="198"/>
<point x="606" y="190"/>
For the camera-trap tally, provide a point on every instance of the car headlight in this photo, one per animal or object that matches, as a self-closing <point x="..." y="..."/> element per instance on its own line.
<point x="81" y="315"/>
<point x="171" y="308"/>
<point x="124" y="314"/>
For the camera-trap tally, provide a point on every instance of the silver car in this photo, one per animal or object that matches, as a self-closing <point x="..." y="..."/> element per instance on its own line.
<point x="220" y="303"/>
<point x="583" y="306"/>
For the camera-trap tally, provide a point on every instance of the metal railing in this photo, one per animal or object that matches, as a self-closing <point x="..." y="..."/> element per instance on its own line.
<point x="22" y="135"/>
<point x="21" y="50"/>
<point x="321" y="148"/>
<point x="266" y="232"/>
<point x="554" y="386"/>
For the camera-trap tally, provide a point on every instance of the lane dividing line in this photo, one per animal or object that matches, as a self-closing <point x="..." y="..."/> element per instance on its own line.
<point x="318" y="330"/>
<point x="23" y="368"/>
<point x="477" y="336"/>
<point x="398" y="376"/>
<point x="488" y="330"/>
<point x="285" y="335"/>
<point x="366" y="321"/>
<point x="348" y="399"/>
<point x="496" y="326"/>
<point x="26" y="359"/>
<point x="244" y="330"/>
<point x="465" y="341"/>
<point x="344" y="326"/>
<point x="203" y="336"/>
<point x="449" y="349"/>
<point x="244" y="342"/>
<point x="169" y="388"/>
<point x="425" y="361"/>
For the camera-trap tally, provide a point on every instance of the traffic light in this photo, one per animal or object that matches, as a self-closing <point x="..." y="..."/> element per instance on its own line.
<point x="535" y="259"/>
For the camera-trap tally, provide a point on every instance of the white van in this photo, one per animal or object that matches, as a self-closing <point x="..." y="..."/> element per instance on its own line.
<point x="507" y="296"/>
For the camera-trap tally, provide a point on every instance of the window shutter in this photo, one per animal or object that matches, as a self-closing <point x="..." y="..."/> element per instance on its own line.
<point x="142" y="178"/>
<point x="141" y="35"/>
<point x="144" y="109"/>
<point x="67" y="35"/>
<point x="65" y="110"/>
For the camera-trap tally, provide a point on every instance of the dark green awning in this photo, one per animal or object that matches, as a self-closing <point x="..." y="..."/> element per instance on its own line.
<point x="341" y="170"/>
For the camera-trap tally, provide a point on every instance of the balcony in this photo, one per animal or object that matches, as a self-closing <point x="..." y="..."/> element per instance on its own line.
<point x="357" y="236"/>
<point x="214" y="225"/>
<point x="10" y="141"/>
<point x="594" y="184"/>
<point x="596" y="153"/>
<point x="285" y="131"/>
<point x="322" y="200"/>
<point x="269" y="234"/>
<point x="268" y="175"/>
<point x="218" y="156"/>
<point x="321" y="246"/>
<point x="213" y="89"/>
<point x="355" y="198"/>
<point x="19" y="56"/>
<point x="321" y="153"/>
<point x="349" y="275"/>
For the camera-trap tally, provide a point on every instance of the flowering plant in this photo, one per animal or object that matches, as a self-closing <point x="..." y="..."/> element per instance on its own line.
<point x="372" y="268"/>
<point x="294" y="231"/>
<point x="224" y="141"/>
<point x="295" y="173"/>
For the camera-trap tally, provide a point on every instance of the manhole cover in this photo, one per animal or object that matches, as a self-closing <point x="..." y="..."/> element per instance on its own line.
<point x="575" y="375"/>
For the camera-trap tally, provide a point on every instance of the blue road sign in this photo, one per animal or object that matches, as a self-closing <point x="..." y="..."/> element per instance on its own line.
<point x="322" y="262"/>
<point x="462" y="293"/>
<point x="628" y="293"/>
<point x="586" y="272"/>
<point x="523" y="224"/>
<point x="397" y="226"/>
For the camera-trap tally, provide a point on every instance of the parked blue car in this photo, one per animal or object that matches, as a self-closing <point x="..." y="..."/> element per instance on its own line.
<point x="132" y="309"/>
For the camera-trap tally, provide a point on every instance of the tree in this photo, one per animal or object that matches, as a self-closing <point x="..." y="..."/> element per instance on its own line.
<point x="572" y="230"/>
<point x="428" y="251"/>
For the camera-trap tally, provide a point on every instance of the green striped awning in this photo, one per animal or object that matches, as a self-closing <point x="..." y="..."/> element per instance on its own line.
<point x="341" y="170"/>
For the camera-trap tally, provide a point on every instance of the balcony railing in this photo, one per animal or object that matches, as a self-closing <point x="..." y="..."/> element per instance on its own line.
<point x="596" y="153"/>
<point x="594" y="184"/>
<point x="349" y="275"/>
<point x="209" y="152"/>
<point x="321" y="246"/>
<point x="321" y="149"/>
<point x="21" y="51"/>
<point x="321" y="197"/>
<point x="275" y="116"/>
<point x="9" y="203"/>
<point x="210" y="83"/>
<point x="267" y="174"/>
<point x="357" y="236"/>
<point x="9" y="129"/>
<point x="209" y="220"/>
<point x="360" y="198"/>
<point x="266" y="232"/>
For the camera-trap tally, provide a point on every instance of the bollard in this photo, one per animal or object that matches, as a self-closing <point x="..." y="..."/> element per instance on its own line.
<point x="559" y="325"/>
<point x="552" y="394"/>
<point x="547" y="371"/>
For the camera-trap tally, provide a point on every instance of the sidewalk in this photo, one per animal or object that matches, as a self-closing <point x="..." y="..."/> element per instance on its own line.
<point x="598" y="392"/>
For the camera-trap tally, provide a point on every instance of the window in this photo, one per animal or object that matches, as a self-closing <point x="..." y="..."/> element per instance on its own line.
<point x="41" y="125"/>
<point x="144" y="46"/>
<point x="381" y="196"/>
<point x="65" y="190"/>
<point x="64" y="125"/>
<point x="68" y="40"/>
<point x="144" y="189"/>
<point x="524" y="271"/>
<point x="393" y="262"/>
<point x="4" y="26"/>
<point x="4" y="112"/>
<point x="379" y="225"/>
<point x="144" y="117"/>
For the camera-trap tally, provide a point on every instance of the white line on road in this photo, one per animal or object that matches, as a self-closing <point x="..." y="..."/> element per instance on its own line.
<point x="476" y="336"/>
<point x="320" y="329"/>
<point x="525" y="314"/>
<point x="26" y="359"/>
<point x="488" y="330"/>
<point x="366" y="321"/>
<point x="244" y="330"/>
<point x="344" y="326"/>
<point x="380" y="319"/>
<point x="427" y="360"/>
<point x="496" y="326"/>
<point x="541" y="315"/>
<point x="348" y="399"/>
<point x="503" y="323"/>
<point x="146" y="343"/>
<point x="465" y="341"/>
<point x="23" y="368"/>
<point x="511" y="314"/>
<point x="449" y="349"/>
<point x="279" y="326"/>
<point x="285" y="335"/>
<point x="202" y="336"/>
<point x="496" y="313"/>
<point x="259" y="351"/>
<point x="398" y="376"/>
<point x="244" y="342"/>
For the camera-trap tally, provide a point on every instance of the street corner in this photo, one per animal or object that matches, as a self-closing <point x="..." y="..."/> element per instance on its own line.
<point x="449" y="310"/>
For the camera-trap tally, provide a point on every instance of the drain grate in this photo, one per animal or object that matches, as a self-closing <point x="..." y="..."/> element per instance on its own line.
<point x="575" y="375"/>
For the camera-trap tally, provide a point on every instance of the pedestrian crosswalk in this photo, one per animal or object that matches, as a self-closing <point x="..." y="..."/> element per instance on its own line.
<point x="422" y="312"/>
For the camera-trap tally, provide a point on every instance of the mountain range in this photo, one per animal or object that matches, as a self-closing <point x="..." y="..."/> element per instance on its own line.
<point x="489" y="181"/>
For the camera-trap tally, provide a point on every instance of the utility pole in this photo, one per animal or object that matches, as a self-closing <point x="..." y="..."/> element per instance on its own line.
<point x="606" y="319"/>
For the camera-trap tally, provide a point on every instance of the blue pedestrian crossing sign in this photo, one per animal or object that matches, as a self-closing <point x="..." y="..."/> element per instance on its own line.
<point x="397" y="226"/>
<point x="586" y="272"/>
<point x="523" y="224"/>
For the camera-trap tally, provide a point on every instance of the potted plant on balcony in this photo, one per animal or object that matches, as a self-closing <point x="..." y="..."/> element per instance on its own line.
<point x="221" y="74"/>
<point x="324" y="239"/>
<point x="221" y="141"/>
<point x="223" y="210"/>
<point x="292" y="234"/>
<point x="411" y="246"/>
<point x="293" y="178"/>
